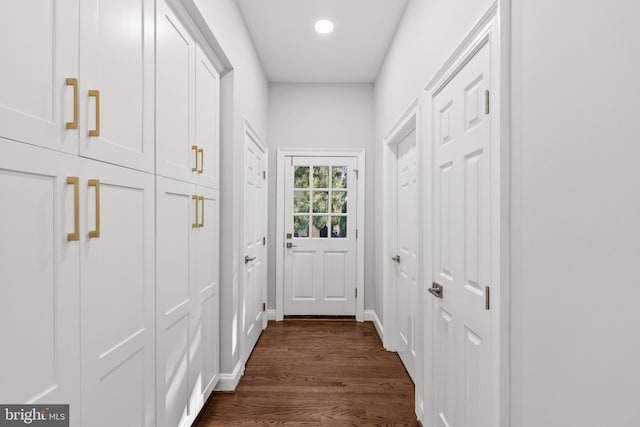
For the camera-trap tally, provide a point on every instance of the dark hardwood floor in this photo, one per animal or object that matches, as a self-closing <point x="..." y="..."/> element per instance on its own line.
<point x="317" y="373"/>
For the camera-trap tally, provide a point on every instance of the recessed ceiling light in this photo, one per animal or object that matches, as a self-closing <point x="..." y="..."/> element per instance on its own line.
<point x="324" y="26"/>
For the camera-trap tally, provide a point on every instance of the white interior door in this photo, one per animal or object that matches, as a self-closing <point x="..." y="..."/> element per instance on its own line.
<point x="39" y="51"/>
<point x="407" y="252"/>
<point x="462" y="249"/>
<point x="255" y="249"/>
<point x="320" y="236"/>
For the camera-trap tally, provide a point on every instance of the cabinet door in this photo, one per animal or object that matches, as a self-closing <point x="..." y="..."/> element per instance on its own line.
<point x="39" y="51"/>
<point x="39" y="278"/>
<point x="207" y="120"/>
<point x="177" y="346"/>
<point x="118" y="297"/>
<point x="116" y="60"/>
<point x="175" y="86"/>
<point x="208" y="288"/>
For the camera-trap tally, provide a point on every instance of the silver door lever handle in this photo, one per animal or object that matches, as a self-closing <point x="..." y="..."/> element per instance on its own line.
<point x="396" y="258"/>
<point x="436" y="290"/>
<point x="247" y="260"/>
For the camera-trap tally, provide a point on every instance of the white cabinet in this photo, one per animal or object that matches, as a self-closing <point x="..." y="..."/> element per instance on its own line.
<point x="187" y="299"/>
<point x="116" y="82"/>
<point x="207" y="122"/>
<point x="118" y="296"/>
<point x="187" y="102"/>
<point x="77" y="248"/>
<point x="39" y="51"/>
<point x="39" y="277"/>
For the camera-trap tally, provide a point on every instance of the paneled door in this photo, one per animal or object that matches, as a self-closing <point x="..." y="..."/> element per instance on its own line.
<point x="39" y="277"/>
<point x="320" y="236"/>
<point x="39" y="73"/>
<point x="177" y="225"/>
<point x="118" y="296"/>
<point x="117" y="82"/>
<point x="406" y="258"/>
<point x="255" y="249"/>
<point x="462" y="355"/>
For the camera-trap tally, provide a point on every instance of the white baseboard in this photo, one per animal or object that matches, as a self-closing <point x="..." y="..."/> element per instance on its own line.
<point x="229" y="382"/>
<point x="371" y="316"/>
<point x="271" y="314"/>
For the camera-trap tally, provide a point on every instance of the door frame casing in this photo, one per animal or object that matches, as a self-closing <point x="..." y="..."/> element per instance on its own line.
<point x="487" y="31"/>
<point x="408" y="122"/>
<point x="248" y="131"/>
<point x="282" y="155"/>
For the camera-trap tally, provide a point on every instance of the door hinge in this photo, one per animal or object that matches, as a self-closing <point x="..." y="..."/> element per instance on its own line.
<point x="264" y="306"/>
<point x="487" y="98"/>
<point x="356" y="233"/>
<point x="356" y="292"/>
<point x="356" y="172"/>
<point x="487" y="298"/>
<point x="264" y="174"/>
<point x="264" y="241"/>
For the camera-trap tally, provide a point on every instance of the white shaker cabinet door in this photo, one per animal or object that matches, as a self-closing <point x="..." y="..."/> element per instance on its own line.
<point x="207" y="135"/>
<point x="39" y="73"/>
<point x="39" y="277"/>
<point x="118" y="296"/>
<point x="177" y="155"/>
<point x="117" y="82"/>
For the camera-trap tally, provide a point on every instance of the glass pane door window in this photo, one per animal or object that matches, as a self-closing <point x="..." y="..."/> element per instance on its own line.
<point x="320" y="202"/>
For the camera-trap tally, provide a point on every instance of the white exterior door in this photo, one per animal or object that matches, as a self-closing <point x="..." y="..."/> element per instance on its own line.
<point x="117" y="82"/>
<point x="118" y="296"/>
<point x="39" y="277"/>
<point x="39" y="51"/>
<point x="320" y="236"/>
<point x="462" y="356"/>
<point x="255" y="250"/>
<point x="407" y="252"/>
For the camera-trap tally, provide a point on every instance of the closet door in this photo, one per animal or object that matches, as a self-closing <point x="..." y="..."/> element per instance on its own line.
<point x="39" y="278"/>
<point x="116" y="84"/>
<point x="39" y="51"/>
<point x="207" y="120"/>
<point x="177" y="156"/>
<point x="208" y="288"/>
<point x="118" y="297"/>
<point x="177" y="347"/>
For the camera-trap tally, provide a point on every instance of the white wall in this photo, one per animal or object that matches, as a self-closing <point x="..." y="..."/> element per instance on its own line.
<point x="575" y="213"/>
<point x="575" y="195"/>
<point x="322" y="116"/>
<point x="245" y="92"/>
<point x="429" y="32"/>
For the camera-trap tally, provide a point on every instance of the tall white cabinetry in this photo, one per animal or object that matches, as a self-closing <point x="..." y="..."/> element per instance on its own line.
<point x="108" y="272"/>
<point x="187" y="195"/>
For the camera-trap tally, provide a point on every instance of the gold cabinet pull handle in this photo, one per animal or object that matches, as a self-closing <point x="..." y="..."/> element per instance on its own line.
<point x="195" y="149"/>
<point x="96" y="183"/>
<point x="96" y="131"/>
<point x="195" y="224"/>
<point x="201" y="152"/>
<point x="74" y="83"/>
<point x="201" y="198"/>
<point x="73" y="180"/>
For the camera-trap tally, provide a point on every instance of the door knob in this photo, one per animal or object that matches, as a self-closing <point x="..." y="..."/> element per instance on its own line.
<point x="291" y="245"/>
<point x="396" y="258"/>
<point x="248" y="259"/>
<point x="436" y="290"/>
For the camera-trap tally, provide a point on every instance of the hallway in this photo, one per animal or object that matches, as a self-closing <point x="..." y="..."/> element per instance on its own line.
<point x="317" y="372"/>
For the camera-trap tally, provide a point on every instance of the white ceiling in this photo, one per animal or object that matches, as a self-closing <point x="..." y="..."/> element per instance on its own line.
<point x="292" y="51"/>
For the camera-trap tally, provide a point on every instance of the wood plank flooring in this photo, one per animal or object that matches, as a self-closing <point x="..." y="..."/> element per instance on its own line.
<point x="317" y="373"/>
